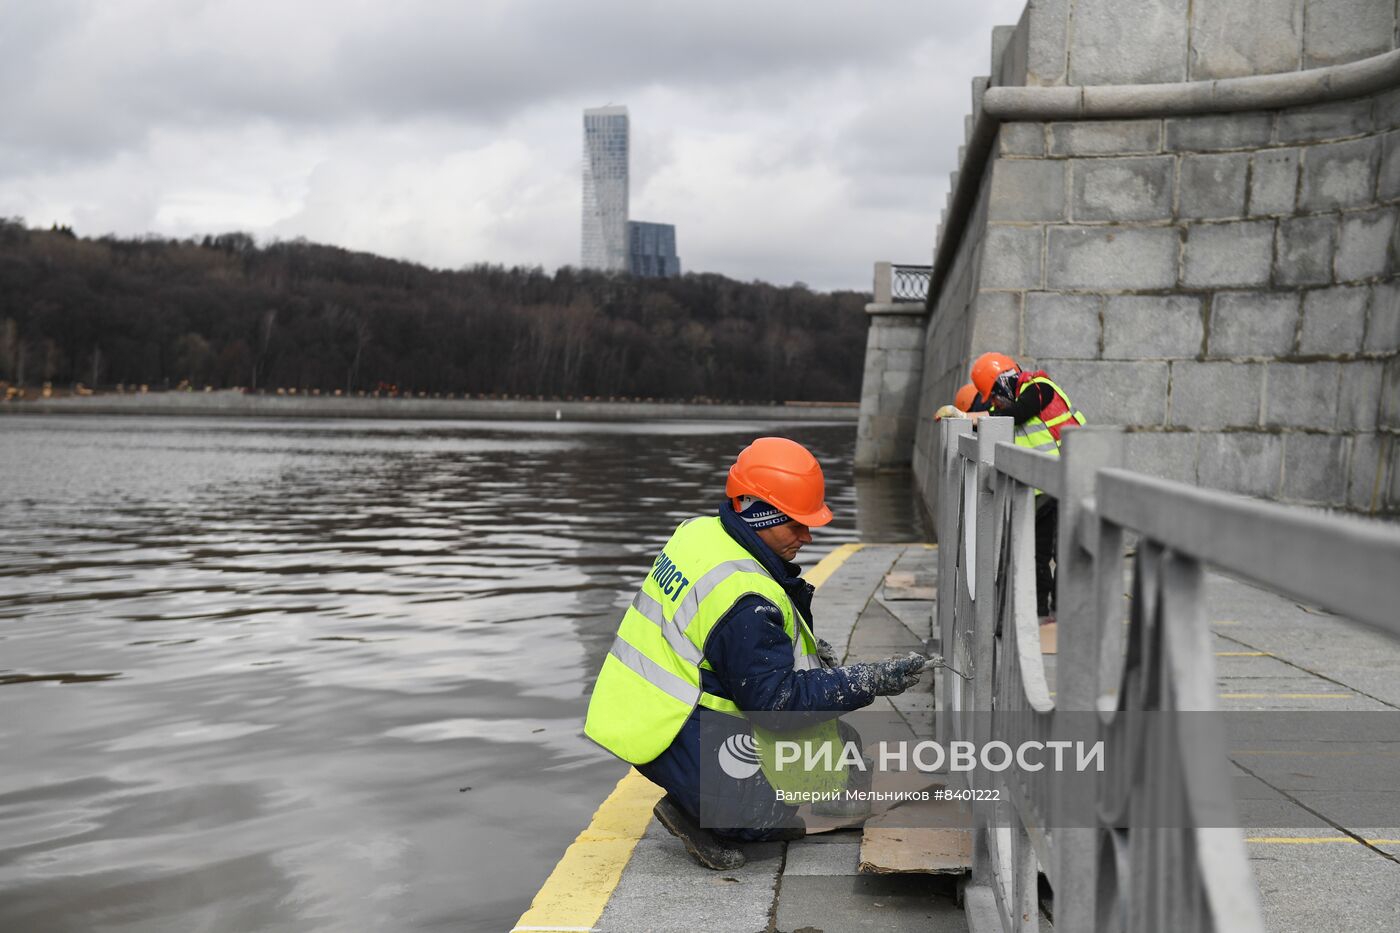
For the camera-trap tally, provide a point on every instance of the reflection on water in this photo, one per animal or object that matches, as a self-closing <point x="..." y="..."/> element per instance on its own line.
<point x="264" y="675"/>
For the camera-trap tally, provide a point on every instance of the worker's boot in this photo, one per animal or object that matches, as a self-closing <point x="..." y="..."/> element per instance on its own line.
<point x="702" y="844"/>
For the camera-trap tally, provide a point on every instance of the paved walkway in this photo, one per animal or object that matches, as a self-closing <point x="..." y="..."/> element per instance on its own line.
<point x="1272" y="654"/>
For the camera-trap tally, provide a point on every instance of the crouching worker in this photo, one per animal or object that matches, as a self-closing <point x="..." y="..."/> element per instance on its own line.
<point x="715" y="658"/>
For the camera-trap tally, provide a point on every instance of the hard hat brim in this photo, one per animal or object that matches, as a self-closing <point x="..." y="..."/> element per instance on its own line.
<point x="813" y="519"/>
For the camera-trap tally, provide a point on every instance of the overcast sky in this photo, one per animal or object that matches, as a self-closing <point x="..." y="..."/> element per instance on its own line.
<point x="787" y="141"/>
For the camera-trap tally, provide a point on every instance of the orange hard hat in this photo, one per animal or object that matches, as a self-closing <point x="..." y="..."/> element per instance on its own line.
<point x="784" y="474"/>
<point x="966" y="397"/>
<point x="986" y="369"/>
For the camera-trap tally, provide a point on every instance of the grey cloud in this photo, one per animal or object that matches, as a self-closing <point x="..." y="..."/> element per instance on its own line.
<point x="113" y="111"/>
<point x="95" y="80"/>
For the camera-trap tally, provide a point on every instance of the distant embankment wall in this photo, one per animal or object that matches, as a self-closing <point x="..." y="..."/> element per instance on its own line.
<point x="1187" y="214"/>
<point x="239" y="405"/>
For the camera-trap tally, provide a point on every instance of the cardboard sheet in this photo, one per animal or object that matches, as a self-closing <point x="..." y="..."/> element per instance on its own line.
<point x="894" y="843"/>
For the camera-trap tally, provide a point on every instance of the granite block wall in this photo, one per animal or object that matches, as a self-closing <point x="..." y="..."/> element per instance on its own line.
<point x="1225" y="285"/>
<point x="1232" y="277"/>
<point x="1077" y="42"/>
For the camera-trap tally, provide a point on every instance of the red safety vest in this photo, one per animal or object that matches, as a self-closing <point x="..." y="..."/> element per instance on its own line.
<point x="1059" y="412"/>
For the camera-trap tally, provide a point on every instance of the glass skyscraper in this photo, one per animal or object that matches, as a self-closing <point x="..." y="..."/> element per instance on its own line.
<point x="605" y="149"/>
<point x="651" y="250"/>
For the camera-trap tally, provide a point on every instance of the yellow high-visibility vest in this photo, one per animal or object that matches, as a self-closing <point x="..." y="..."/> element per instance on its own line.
<point x="650" y="680"/>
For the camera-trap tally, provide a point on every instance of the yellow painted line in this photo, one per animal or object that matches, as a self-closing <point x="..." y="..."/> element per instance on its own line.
<point x="829" y="564"/>
<point x="576" y="892"/>
<point x="1316" y="840"/>
<point x="1243" y="654"/>
<point x="1284" y="695"/>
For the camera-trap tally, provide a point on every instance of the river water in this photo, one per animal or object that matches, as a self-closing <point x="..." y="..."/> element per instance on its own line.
<point x="327" y="675"/>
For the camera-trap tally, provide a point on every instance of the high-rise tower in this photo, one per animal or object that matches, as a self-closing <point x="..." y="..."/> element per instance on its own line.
<point x="605" y="148"/>
<point x="652" y="250"/>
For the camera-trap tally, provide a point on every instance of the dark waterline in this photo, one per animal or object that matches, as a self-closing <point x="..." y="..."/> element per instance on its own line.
<point x="247" y="668"/>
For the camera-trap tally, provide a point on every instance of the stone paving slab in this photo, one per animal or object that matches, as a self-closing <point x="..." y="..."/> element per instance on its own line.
<point x="1316" y="644"/>
<point x="1314" y="888"/>
<point x="834" y="858"/>
<point x="915" y="614"/>
<point x="880" y="635"/>
<point x="843" y="597"/>
<point x="888" y="903"/>
<point x="1296" y="658"/>
<point x="662" y="889"/>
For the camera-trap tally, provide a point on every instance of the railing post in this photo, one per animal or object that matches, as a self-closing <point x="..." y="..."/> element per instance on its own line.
<point x="884" y="283"/>
<point x="1084" y="452"/>
<point x="990" y="432"/>
<point x="949" y="546"/>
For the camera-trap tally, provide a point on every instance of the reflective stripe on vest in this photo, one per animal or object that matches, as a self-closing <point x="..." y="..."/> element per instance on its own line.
<point x="650" y="680"/>
<point x="652" y="611"/>
<point x="654" y="673"/>
<point x="1044" y="434"/>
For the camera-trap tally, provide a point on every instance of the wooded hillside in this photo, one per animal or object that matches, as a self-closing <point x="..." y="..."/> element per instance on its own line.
<point x="226" y="312"/>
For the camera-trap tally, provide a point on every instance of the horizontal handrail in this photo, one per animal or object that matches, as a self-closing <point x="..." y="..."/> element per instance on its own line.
<point x="1344" y="565"/>
<point x="910" y="283"/>
<point x="986" y="627"/>
<point x="1031" y="467"/>
<point x="1220" y="95"/>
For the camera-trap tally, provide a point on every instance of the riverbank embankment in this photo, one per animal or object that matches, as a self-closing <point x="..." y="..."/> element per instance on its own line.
<point x="242" y="405"/>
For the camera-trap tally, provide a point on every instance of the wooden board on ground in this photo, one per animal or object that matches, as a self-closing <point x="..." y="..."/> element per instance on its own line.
<point x="895" y="843"/>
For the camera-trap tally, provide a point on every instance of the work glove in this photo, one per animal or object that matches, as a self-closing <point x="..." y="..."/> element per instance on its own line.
<point x="827" y="654"/>
<point x="891" y="677"/>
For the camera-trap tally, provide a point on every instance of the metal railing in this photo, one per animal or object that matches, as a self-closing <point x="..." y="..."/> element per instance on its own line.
<point x="898" y="284"/>
<point x="910" y="283"/>
<point x="1105" y="877"/>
